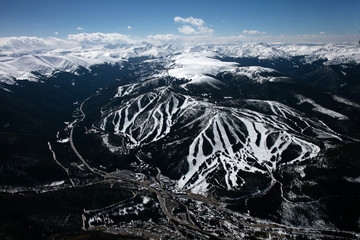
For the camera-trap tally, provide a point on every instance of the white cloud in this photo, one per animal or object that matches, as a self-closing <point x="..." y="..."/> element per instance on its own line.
<point x="100" y="38"/>
<point x="22" y="43"/>
<point x="129" y="27"/>
<point x="79" y="28"/>
<point x="253" y="32"/>
<point x="322" y="33"/>
<point x="190" y="20"/>
<point x="56" y="33"/>
<point x="198" y="26"/>
<point x="25" y="44"/>
<point x="160" y="39"/>
<point x="205" y="30"/>
<point x="163" y="37"/>
<point x="192" y="40"/>
<point x="187" y="30"/>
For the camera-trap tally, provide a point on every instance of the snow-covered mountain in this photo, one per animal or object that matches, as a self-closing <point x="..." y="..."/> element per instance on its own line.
<point x="194" y="61"/>
<point x="211" y="141"/>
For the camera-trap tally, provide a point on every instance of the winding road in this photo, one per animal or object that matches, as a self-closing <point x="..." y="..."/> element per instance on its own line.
<point x="76" y="122"/>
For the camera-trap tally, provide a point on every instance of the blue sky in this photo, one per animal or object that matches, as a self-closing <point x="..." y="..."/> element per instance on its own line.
<point x="142" y="18"/>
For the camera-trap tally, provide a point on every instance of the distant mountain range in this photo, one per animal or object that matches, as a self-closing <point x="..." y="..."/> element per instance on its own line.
<point x="26" y="64"/>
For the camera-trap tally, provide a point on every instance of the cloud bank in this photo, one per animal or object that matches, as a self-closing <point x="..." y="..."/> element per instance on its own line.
<point x="33" y="43"/>
<point x="26" y="44"/>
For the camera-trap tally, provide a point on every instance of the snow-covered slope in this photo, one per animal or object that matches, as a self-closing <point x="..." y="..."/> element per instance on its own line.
<point x="219" y="144"/>
<point x="28" y="66"/>
<point x="198" y="67"/>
